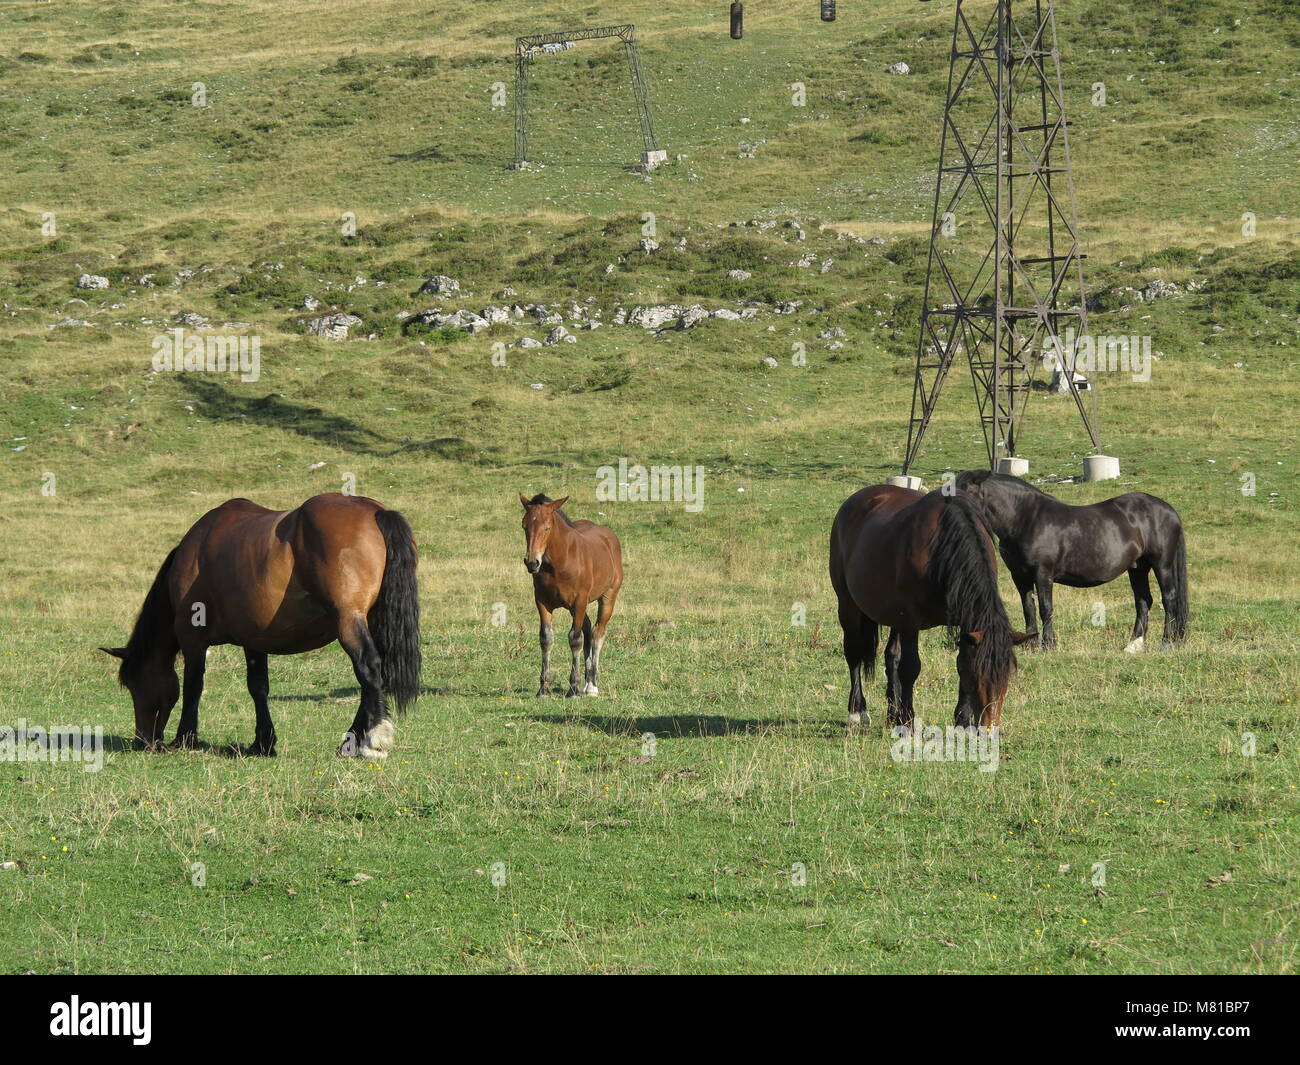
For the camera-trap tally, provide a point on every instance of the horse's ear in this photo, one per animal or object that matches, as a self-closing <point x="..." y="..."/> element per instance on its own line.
<point x="559" y="503"/>
<point x="976" y="638"/>
<point x="524" y="500"/>
<point x="116" y="652"/>
<point x="1018" y="638"/>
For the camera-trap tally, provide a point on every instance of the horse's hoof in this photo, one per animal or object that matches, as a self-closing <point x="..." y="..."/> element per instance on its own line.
<point x="1136" y="645"/>
<point x="542" y="693"/>
<point x="857" y="720"/>
<point x="591" y="689"/>
<point x="187" y="742"/>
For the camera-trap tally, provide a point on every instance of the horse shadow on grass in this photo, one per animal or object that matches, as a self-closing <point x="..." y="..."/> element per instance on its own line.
<point x="224" y="750"/>
<point x="679" y="726"/>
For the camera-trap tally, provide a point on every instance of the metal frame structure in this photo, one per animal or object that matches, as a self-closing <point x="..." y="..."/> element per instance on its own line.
<point x="526" y="48"/>
<point x="1004" y="116"/>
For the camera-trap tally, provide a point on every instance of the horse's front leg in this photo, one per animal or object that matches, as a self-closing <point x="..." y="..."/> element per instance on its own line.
<point x="545" y="638"/>
<point x="576" y="644"/>
<point x="1044" y="584"/>
<point x="259" y="687"/>
<point x="902" y="667"/>
<point x="1025" y="586"/>
<point x="187" y="732"/>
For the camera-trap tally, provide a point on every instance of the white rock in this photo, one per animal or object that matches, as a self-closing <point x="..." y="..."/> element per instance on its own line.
<point x="692" y="317"/>
<point x="441" y="285"/>
<point x="333" y="326"/>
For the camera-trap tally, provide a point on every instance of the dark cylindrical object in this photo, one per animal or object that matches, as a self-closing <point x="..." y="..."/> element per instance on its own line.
<point x="828" y="10"/>
<point x="737" y="21"/>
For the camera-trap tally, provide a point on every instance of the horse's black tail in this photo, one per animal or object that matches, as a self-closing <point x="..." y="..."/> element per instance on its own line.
<point x="1175" y="598"/>
<point x="395" y="618"/>
<point x="970" y="588"/>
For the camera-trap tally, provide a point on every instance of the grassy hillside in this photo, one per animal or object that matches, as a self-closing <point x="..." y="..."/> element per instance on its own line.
<point x="616" y="860"/>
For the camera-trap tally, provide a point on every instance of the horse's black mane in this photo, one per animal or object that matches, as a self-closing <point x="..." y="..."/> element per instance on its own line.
<point x="154" y="622"/>
<point x="971" y="594"/>
<point x="543" y="498"/>
<point x="981" y="476"/>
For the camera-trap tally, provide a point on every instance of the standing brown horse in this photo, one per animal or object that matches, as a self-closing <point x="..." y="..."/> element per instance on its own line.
<point x="914" y="561"/>
<point x="280" y="582"/>
<point x="572" y="563"/>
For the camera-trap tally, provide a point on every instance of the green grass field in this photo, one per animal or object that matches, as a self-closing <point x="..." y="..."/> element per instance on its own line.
<point x="618" y="857"/>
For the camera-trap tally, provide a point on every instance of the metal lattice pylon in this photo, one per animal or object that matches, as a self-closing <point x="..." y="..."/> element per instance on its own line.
<point x="527" y="48"/>
<point x="1004" y="174"/>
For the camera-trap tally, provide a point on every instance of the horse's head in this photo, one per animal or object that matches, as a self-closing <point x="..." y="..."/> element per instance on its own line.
<point x="539" y="520"/>
<point x="151" y="680"/>
<point x="1002" y="501"/>
<point x="985" y="663"/>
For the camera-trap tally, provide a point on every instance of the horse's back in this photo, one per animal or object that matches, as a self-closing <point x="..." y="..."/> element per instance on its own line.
<point x="273" y="579"/>
<point x="878" y="543"/>
<point x="1158" y="522"/>
<point x="874" y="504"/>
<point x="605" y="550"/>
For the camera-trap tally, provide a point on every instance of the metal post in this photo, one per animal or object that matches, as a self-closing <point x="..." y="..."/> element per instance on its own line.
<point x="522" y="65"/>
<point x="1003" y="305"/>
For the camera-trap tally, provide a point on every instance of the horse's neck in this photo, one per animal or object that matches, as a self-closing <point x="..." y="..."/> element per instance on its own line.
<point x="1022" y="503"/>
<point x="560" y="548"/>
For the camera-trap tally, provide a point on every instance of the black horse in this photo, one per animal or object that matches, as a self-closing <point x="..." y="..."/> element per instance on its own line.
<point x="1044" y="541"/>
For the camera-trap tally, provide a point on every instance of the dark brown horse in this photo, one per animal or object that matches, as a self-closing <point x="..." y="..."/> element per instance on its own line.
<point x="911" y="562"/>
<point x="280" y="582"/>
<point x="573" y="563"/>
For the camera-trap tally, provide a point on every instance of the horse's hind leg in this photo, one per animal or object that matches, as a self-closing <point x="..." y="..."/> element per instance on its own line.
<point x="1140" y="579"/>
<point x="860" y="639"/>
<point x="579" y="610"/>
<point x="902" y="667"/>
<point x="259" y="687"/>
<point x="604" y="612"/>
<point x="371" y="732"/>
<point x="588" y="657"/>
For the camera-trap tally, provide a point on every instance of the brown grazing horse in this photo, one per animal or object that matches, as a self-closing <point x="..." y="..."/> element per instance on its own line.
<point x="572" y="563"/>
<point x="912" y="561"/>
<point x="280" y="582"/>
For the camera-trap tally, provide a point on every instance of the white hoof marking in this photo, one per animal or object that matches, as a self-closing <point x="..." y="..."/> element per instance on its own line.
<point x="1136" y="646"/>
<point x="378" y="740"/>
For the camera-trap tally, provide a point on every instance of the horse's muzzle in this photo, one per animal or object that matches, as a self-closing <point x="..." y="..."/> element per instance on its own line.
<point x="533" y="565"/>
